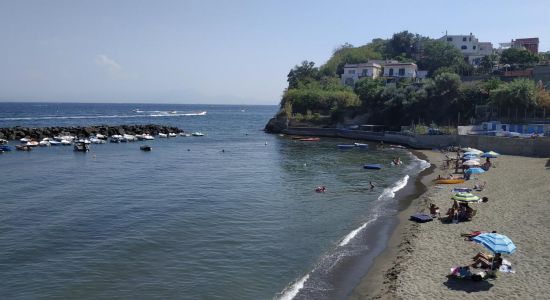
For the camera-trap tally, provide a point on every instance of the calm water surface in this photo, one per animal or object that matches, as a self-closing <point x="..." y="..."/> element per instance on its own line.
<point x="185" y="220"/>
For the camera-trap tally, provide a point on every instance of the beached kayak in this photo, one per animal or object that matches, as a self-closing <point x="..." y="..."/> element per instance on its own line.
<point x="450" y="181"/>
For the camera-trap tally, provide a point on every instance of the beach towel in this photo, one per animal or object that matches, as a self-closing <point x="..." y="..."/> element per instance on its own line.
<point x="506" y="267"/>
<point x="421" y="218"/>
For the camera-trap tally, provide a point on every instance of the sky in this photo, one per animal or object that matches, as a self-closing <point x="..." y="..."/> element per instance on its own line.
<point x="219" y="52"/>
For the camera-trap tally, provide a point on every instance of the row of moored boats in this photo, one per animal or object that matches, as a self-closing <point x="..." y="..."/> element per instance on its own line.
<point x="83" y="144"/>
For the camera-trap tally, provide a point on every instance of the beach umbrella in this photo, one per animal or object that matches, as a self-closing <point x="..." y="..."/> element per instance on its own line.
<point x="496" y="243"/>
<point x="490" y="154"/>
<point x="470" y="157"/>
<point x="472" y="150"/>
<point x="475" y="170"/>
<point x="474" y="153"/>
<point x="471" y="162"/>
<point x="465" y="197"/>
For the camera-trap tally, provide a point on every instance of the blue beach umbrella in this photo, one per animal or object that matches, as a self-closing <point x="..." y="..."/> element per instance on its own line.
<point x="496" y="243"/>
<point x="475" y="170"/>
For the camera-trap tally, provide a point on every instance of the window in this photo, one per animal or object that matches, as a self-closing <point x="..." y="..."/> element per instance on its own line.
<point x="449" y="39"/>
<point x="402" y="72"/>
<point x="351" y="71"/>
<point x="391" y="72"/>
<point x="463" y="39"/>
<point x="470" y="39"/>
<point x="474" y="47"/>
<point x="464" y="47"/>
<point x="365" y="72"/>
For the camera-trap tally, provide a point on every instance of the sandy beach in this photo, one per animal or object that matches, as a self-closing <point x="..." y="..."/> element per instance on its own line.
<point x="419" y="256"/>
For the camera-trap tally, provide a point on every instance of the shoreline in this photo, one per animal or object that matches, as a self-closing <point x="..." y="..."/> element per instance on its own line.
<point x="419" y="256"/>
<point x="374" y="285"/>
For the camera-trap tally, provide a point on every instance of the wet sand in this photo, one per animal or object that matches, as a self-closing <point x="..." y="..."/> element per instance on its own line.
<point x="419" y="256"/>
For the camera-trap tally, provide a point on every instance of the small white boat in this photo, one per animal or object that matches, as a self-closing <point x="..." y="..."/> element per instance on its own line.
<point x="184" y="134"/>
<point x="32" y="143"/>
<point x="44" y="143"/>
<point x="148" y="137"/>
<point x="171" y="134"/>
<point x="3" y="141"/>
<point x="163" y="135"/>
<point x="101" y="136"/>
<point x="117" y="138"/>
<point x="25" y="140"/>
<point x="129" y="137"/>
<point x="65" y="142"/>
<point x="69" y="138"/>
<point x="197" y="133"/>
<point x="55" y="143"/>
<point x="95" y="140"/>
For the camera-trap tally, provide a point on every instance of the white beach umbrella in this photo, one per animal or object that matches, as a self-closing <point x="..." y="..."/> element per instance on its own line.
<point x="471" y="162"/>
<point x="468" y="149"/>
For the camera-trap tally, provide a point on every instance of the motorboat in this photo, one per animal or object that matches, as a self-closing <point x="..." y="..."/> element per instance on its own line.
<point x="96" y="140"/>
<point x="44" y="143"/>
<point x="185" y="134"/>
<point x="313" y="139"/>
<point x="101" y="136"/>
<point x="65" y="142"/>
<point x="372" y="166"/>
<point x="197" y="133"/>
<point x="32" y="143"/>
<point x="25" y="140"/>
<point x="5" y="148"/>
<point x="171" y="134"/>
<point x="145" y="148"/>
<point x="345" y="146"/>
<point x="23" y="147"/>
<point x="361" y="145"/>
<point x="117" y="138"/>
<point x="3" y="141"/>
<point x="69" y="138"/>
<point x="162" y="135"/>
<point x="55" y="143"/>
<point x="81" y="146"/>
<point x="129" y="137"/>
<point x="148" y="137"/>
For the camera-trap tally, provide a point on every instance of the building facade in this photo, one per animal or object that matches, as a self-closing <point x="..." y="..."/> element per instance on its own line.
<point x="471" y="48"/>
<point x="354" y="72"/>
<point x="400" y="70"/>
<point x="530" y="44"/>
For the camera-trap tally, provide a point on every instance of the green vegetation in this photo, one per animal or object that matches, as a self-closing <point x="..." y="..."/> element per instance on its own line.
<point x="317" y="95"/>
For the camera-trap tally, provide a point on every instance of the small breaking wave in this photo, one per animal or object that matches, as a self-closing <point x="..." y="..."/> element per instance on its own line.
<point x="292" y="290"/>
<point x="354" y="232"/>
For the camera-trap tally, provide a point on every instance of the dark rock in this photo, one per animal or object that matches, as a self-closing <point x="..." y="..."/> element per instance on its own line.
<point x="276" y="124"/>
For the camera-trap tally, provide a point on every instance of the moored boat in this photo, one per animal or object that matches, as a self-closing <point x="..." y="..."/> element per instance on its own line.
<point x="313" y="139"/>
<point x="171" y="134"/>
<point x="3" y="141"/>
<point x="23" y="147"/>
<point x="162" y="135"/>
<point x="361" y="145"/>
<point x="81" y="146"/>
<point x="197" y="133"/>
<point x="145" y="148"/>
<point x="5" y="148"/>
<point x="346" y="146"/>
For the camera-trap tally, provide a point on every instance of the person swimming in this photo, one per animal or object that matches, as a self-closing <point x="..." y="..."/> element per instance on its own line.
<point x="372" y="186"/>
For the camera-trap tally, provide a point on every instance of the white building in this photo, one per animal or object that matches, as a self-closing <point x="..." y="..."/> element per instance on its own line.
<point x="472" y="49"/>
<point x="400" y="70"/>
<point x="354" y="72"/>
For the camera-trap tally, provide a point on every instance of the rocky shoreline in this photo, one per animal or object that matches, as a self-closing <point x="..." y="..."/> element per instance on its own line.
<point x="38" y="133"/>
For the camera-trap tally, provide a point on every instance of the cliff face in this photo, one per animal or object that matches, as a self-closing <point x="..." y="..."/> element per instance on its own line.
<point x="276" y="124"/>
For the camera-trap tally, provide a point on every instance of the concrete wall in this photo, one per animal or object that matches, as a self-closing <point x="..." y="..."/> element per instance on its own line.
<point x="539" y="147"/>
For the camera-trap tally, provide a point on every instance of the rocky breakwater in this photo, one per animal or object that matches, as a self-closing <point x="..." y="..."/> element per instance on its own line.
<point x="18" y="132"/>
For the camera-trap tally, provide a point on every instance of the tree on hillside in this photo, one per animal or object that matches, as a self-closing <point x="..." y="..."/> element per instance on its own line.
<point x="302" y="73"/>
<point x="517" y="56"/>
<point x="437" y="54"/>
<point x="349" y="55"/>
<point x="400" y="44"/>
<point x="369" y="91"/>
<point x="519" y="93"/>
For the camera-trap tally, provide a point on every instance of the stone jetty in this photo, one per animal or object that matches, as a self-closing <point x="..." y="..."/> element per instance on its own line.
<point x="38" y="133"/>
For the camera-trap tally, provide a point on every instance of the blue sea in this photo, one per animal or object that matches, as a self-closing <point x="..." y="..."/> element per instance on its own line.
<point x="188" y="220"/>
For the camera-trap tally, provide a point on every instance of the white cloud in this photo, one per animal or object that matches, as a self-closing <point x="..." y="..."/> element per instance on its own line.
<point x="108" y="63"/>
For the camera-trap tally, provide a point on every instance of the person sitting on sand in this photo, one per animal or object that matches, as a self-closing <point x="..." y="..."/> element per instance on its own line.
<point x="434" y="210"/>
<point x="493" y="264"/>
